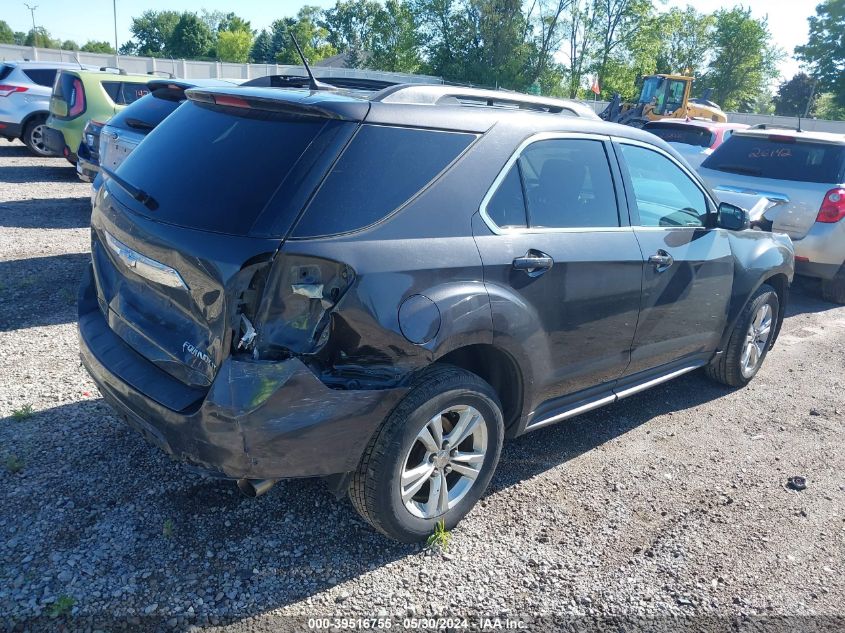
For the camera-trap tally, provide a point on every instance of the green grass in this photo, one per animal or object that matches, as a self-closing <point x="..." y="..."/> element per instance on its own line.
<point x="26" y="411"/>
<point x="61" y="607"/>
<point x="167" y="528"/>
<point x="439" y="539"/>
<point x="14" y="464"/>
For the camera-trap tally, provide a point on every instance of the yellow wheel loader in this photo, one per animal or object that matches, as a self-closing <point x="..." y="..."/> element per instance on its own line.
<point x="662" y="97"/>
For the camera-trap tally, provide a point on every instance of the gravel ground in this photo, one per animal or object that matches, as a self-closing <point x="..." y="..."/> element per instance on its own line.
<point x="671" y="503"/>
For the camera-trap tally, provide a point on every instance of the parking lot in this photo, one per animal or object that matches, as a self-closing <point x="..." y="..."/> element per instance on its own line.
<point x="673" y="502"/>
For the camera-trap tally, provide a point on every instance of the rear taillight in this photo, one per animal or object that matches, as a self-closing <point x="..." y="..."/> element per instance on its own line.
<point x="833" y="207"/>
<point x="77" y="99"/>
<point x="6" y="89"/>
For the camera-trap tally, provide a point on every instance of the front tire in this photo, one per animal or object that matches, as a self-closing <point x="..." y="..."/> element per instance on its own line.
<point x="433" y="456"/>
<point x="33" y="136"/>
<point x="750" y="340"/>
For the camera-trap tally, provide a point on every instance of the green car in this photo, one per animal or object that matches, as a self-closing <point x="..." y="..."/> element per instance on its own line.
<point x="83" y="95"/>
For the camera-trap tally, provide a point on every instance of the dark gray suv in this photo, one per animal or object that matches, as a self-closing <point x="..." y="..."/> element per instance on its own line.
<point x="379" y="291"/>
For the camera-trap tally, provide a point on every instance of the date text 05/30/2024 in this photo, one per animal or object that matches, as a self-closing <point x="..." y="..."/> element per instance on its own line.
<point x="422" y="624"/>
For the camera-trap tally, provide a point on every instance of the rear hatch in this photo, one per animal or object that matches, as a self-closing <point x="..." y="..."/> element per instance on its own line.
<point x="797" y="173"/>
<point x="186" y="226"/>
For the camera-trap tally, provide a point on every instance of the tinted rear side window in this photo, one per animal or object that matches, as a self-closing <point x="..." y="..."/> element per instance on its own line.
<point x="130" y="93"/>
<point x="215" y="169"/>
<point x="686" y="134"/>
<point x="507" y="206"/>
<point x="145" y="114"/>
<point x="382" y="168"/>
<point x="112" y="89"/>
<point x="124" y="93"/>
<point x="41" y="76"/>
<point x="780" y="158"/>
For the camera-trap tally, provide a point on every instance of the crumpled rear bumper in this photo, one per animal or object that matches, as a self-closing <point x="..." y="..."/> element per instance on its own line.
<point x="259" y="419"/>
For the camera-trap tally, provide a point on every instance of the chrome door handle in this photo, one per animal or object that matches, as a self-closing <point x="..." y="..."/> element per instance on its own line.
<point x="661" y="260"/>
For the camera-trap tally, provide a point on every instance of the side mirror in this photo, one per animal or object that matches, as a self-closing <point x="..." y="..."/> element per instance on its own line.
<point x="732" y="217"/>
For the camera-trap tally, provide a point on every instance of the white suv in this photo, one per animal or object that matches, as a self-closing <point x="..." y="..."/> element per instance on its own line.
<point x="804" y="174"/>
<point x="25" y="89"/>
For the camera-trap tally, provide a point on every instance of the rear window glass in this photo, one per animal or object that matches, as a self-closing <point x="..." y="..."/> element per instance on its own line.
<point x="145" y="114"/>
<point x="216" y="169"/>
<point x="41" y="76"/>
<point x="5" y="70"/>
<point x="686" y="134"/>
<point x="780" y="159"/>
<point x="382" y="168"/>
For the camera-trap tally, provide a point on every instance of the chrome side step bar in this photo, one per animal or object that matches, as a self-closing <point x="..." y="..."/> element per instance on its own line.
<point x="617" y="395"/>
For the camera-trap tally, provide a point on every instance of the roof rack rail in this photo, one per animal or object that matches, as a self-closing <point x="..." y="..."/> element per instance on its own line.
<point x="441" y="94"/>
<point x="161" y="73"/>
<point x="301" y="81"/>
<point x="120" y="71"/>
<point x="775" y="126"/>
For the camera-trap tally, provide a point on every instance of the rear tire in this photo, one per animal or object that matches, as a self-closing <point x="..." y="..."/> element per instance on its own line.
<point x="834" y="290"/>
<point x="750" y="340"/>
<point x="33" y="136"/>
<point x="399" y="485"/>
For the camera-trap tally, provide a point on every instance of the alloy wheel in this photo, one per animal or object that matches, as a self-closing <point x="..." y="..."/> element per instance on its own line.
<point x="756" y="340"/>
<point x="36" y="139"/>
<point x="444" y="461"/>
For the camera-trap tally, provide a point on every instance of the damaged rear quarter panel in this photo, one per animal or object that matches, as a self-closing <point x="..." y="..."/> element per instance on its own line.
<point x="366" y="343"/>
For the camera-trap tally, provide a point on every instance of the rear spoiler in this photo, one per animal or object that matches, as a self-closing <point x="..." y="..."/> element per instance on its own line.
<point x="293" y="103"/>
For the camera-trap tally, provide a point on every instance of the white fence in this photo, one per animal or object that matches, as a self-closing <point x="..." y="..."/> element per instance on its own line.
<point x="196" y="70"/>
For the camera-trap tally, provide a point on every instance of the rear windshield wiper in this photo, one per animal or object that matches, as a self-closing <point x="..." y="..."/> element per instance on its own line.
<point x="138" y="194"/>
<point x="740" y="169"/>
<point x="138" y="124"/>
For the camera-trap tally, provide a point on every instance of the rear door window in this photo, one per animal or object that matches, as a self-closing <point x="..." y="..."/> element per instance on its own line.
<point x="686" y="134"/>
<point x="381" y="170"/>
<point x="568" y="184"/>
<point x="215" y="169"/>
<point x="559" y="184"/>
<point x="780" y="158"/>
<point x="41" y="76"/>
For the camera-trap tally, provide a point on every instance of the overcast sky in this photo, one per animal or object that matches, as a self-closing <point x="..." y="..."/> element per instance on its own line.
<point x="92" y="19"/>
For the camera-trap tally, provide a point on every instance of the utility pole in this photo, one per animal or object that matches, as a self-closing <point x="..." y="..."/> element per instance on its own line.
<point x="32" y="11"/>
<point x="114" y="11"/>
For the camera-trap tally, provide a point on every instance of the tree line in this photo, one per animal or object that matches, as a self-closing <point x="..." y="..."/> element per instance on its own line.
<point x="555" y="47"/>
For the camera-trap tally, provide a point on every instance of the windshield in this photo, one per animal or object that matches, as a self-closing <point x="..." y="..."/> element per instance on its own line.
<point x="780" y="158"/>
<point x="685" y="134"/>
<point x="215" y="169"/>
<point x="650" y="88"/>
